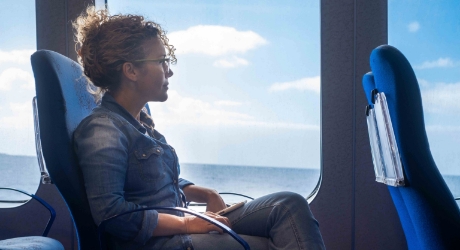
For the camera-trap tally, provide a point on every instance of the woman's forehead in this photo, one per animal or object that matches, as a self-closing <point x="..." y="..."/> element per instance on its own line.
<point x="154" y="47"/>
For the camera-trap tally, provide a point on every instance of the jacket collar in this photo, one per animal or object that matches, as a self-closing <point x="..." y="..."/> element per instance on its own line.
<point x="109" y="103"/>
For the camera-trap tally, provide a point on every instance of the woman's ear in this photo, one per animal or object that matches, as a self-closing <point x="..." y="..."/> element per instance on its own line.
<point x="130" y="71"/>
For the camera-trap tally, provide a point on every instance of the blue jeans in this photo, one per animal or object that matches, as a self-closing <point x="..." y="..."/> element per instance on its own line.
<point x="276" y="221"/>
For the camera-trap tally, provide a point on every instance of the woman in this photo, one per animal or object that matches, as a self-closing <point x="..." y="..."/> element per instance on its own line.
<point x="127" y="164"/>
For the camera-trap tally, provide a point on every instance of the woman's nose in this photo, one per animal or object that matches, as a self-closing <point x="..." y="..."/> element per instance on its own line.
<point x="170" y="73"/>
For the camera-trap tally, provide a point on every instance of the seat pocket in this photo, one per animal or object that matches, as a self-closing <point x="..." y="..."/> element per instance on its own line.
<point x="150" y="163"/>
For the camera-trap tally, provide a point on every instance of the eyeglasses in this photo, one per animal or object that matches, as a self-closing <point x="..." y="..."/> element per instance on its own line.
<point x="166" y="62"/>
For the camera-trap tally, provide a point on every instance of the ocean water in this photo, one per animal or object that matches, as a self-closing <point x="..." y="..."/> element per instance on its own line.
<point x="251" y="181"/>
<point x="22" y="172"/>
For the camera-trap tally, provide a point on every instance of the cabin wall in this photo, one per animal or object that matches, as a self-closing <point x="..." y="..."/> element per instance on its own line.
<point x="30" y="219"/>
<point x="54" y="24"/>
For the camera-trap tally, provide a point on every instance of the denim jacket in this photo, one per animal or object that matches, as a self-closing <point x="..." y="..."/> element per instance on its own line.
<point x="123" y="169"/>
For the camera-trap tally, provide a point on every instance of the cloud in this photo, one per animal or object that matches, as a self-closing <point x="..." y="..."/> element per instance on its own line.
<point x="441" y="98"/>
<point x="186" y="110"/>
<point x="230" y="63"/>
<point x="443" y="128"/>
<point x="16" y="56"/>
<point x="423" y="83"/>
<point x="307" y="83"/>
<point x="18" y="107"/>
<point x="22" y="116"/>
<point x="13" y="75"/>
<point x="413" y="27"/>
<point x="214" y="40"/>
<point x="227" y="103"/>
<point x="179" y="110"/>
<point x="440" y="63"/>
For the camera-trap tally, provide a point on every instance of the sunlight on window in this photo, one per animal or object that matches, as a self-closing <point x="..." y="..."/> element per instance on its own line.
<point x="18" y="162"/>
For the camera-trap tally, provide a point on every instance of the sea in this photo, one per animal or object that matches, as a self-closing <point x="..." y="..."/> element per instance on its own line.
<point x="22" y="172"/>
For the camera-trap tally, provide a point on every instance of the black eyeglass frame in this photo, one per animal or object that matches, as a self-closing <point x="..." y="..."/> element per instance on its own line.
<point x="164" y="61"/>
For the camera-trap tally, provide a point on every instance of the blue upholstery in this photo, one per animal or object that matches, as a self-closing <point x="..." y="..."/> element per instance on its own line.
<point x="427" y="210"/>
<point x="32" y="243"/>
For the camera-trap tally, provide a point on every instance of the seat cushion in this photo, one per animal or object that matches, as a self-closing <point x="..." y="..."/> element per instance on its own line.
<point x="31" y="242"/>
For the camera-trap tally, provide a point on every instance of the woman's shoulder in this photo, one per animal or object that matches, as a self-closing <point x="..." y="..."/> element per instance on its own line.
<point x="101" y="118"/>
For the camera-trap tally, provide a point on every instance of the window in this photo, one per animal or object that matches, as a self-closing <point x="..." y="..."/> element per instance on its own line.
<point x="18" y="161"/>
<point x="428" y="32"/>
<point x="244" y="107"/>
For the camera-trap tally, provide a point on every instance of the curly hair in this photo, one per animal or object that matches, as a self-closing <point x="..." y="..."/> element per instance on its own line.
<point x="104" y="43"/>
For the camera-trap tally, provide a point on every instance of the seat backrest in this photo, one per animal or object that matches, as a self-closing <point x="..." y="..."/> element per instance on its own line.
<point x="427" y="210"/>
<point x="63" y="101"/>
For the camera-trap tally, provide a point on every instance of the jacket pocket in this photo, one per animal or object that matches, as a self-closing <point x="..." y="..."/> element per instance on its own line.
<point x="150" y="163"/>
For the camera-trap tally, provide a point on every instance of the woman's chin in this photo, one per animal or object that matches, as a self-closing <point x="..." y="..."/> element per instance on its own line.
<point x="163" y="98"/>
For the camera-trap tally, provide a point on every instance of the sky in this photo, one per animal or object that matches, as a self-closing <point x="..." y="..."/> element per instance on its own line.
<point x="245" y="90"/>
<point x="428" y="34"/>
<point x="17" y="86"/>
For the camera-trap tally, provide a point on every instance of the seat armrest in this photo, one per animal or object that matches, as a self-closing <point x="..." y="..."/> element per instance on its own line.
<point x="226" y="229"/>
<point x="44" y="203"/>
<point x="237" y="194"/>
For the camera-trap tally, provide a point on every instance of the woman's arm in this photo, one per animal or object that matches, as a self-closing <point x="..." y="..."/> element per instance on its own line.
<point x="209" y="196"/>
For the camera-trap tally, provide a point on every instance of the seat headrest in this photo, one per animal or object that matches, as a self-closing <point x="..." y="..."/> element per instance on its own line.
<point x="66" y="75"/>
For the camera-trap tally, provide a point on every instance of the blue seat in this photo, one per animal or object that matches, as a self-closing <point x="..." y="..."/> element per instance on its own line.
<point x="429" y="215"/>
<point x="62" y="102"/>
<point x="60" y="110"/>
<point x="33" y="242"/>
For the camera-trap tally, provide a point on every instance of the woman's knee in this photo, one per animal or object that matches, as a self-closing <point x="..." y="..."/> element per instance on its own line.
<point x="287" y="197"/>
<point x="297" y="206"/>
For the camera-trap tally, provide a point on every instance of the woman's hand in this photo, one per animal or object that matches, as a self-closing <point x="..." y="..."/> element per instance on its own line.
<point x="169" y="224"/>
<point x="215" y="202"/>
<point x="196" y="225"/>
<point x="209" y="196"/>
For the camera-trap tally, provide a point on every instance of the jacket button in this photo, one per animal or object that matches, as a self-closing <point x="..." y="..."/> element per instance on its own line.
<point x="143" y="155"/>
<point x="158" y="150"/>
<point x="175" y="181"/>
